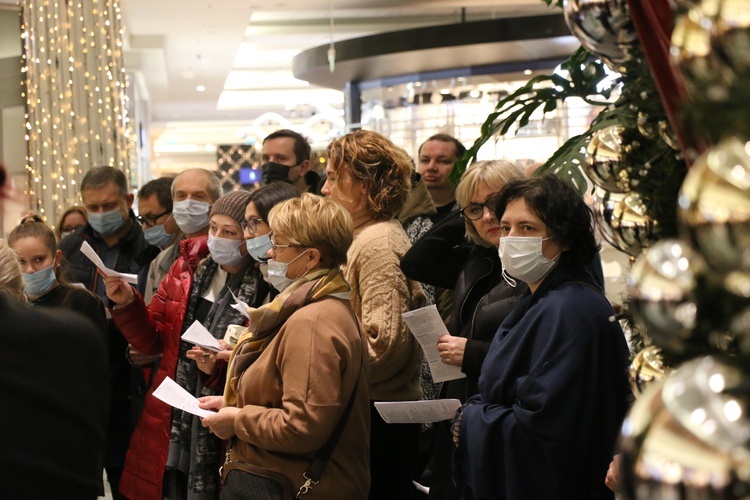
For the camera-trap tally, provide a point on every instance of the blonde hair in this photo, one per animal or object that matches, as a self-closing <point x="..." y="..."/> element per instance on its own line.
<point x="384" y="168"/>
<point x="492" y="173"/>
<point x="11" y="277"/>
<point x="315" y="222"/>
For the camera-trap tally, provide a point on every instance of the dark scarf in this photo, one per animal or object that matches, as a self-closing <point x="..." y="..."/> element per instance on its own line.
<point x="199" y="451"/>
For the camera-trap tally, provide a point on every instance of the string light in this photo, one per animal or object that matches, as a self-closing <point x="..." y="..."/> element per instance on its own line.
<point x="75" y="88"/>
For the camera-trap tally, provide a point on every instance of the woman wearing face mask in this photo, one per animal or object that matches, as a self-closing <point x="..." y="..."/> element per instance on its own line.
<point x="258" y="243"/>
<point x="481" y="297"/>
<point x="371" y="177"/>
<point x="299" y="372"/>
<point x="553" y="387"/>
<point x="36" y="248"/>
<point x="194" y="289"/>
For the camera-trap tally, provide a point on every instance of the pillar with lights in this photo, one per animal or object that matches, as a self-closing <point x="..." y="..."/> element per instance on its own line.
<point x="75" y="98"/>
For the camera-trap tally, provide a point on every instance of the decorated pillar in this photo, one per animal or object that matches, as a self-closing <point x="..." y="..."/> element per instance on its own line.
<point x="75" y="97"/>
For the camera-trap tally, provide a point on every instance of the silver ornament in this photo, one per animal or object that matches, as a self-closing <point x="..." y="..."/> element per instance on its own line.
<point x="605" y="164"/>
<point x="661" y="288"/>
<point x="687" y="437"/>
<point x="714" y="207"/>
<point x="604" y="28"/>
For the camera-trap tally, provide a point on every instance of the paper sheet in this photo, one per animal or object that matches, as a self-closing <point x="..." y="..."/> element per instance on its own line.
<point x="93" y="257"/>
<point x="198" y="335"/>
<point x="417" y="412"/>
<point x="427" y="326"/>
<point x="171" y="393"/>
<point x="240" y="306"/>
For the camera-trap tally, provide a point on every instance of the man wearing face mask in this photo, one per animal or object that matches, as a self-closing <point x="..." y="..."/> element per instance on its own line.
<point x="286" y="158"/>
<point x="115" y="235"/>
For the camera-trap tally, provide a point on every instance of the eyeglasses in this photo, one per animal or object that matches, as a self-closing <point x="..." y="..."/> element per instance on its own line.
<point x="150" y="221"/>
<point x="475" y="211"/>
<point x="252" y="224"/>
<point x="275" y="246"/>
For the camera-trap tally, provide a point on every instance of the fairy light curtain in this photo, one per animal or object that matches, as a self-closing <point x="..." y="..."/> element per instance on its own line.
<point x="76" y="101"/>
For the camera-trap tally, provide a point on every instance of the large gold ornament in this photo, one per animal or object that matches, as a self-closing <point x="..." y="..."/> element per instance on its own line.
<point x="687" y="437"/>
<point x="661" y="288"/>
<point x="604" y="28"/>
<point x="605" y="160"/>
<point x="714" y="208"/>
<point x="692" y="55"/>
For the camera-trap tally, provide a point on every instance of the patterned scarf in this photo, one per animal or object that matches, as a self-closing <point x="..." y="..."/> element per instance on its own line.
<point x="267" y="320"/>
<point x="193" y="449"/>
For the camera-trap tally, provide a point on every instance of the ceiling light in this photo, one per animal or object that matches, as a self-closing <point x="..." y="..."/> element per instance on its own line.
<point x="527" y="72"/>
<point x="200" y="88"/>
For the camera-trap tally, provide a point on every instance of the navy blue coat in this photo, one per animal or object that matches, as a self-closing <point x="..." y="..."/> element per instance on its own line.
<point x="553" y="393"/>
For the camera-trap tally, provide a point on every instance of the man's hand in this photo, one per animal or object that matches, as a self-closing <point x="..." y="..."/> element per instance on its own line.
<point x="451" y="349"/>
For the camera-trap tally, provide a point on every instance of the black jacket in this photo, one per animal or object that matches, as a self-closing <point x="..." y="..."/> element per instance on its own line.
<point x="133" y="257"/>
<point x="481" y="297"/>
<point x="53" y="427"/>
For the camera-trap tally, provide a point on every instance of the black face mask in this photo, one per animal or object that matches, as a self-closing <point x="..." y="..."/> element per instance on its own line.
<point x="275" y="172"/>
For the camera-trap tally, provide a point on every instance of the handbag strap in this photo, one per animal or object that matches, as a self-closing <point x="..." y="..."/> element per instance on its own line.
<point x="318" y="463"/>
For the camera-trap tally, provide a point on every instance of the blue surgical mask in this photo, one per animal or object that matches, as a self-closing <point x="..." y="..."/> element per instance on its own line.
<point x="191" y="215"/>
<point x="40" y="282"/>
<point x="277" y="273"/>
<point x="106" y="223"/>
<point x="158" y="236"/>
<point x="258" y="247"/>
<point x="224" y="251"/>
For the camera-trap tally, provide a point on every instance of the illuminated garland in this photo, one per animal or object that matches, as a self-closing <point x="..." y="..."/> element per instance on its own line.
<point x="75" y="97"/>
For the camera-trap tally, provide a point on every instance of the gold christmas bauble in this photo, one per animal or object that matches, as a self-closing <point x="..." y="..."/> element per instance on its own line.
<point x="646" y="368"/>
<point x="605" y="161"/>
<point x="632" y="228"/>
<point x="714" y="207"/>
<point x="687" y="436"/>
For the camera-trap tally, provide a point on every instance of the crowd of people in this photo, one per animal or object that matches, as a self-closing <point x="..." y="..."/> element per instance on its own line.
<point x="303" y="283"/>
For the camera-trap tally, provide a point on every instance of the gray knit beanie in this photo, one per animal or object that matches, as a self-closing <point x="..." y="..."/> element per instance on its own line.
<point x="232" y="204"/>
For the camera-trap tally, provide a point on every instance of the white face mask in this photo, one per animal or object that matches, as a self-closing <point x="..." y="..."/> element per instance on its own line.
<point x="191" y="215"/>
<point x="277" y="276"/>
<point x="224" y="251"/>
<point x="522" y="258"/>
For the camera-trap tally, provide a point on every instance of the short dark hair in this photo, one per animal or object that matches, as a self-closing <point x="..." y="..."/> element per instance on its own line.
<point x="162" y="188"/>
<point x="98" y="177"/>
<point x="266" y="197"/>
<point x="460" y="148"/>
<point x="569" y="220"/>
<point x="302" y="149"/>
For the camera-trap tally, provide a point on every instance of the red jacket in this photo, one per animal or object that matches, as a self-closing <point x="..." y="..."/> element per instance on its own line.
<point x="156" y="329"/>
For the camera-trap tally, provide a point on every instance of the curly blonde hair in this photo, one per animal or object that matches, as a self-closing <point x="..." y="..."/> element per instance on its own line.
<point x="494" y="174"/>
<point x="384" y="168"/>
<point x="314" y="222"/>
<point x="11" y="277"/>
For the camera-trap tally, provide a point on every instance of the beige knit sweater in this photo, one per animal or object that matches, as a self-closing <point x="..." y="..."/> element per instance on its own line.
<point x="380" y="294"/>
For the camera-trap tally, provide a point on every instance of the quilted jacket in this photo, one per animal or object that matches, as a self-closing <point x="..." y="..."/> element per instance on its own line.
<point x="153" y="330"/>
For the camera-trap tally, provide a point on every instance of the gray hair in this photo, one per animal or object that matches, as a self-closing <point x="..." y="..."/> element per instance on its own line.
<point x="214" y="184"/>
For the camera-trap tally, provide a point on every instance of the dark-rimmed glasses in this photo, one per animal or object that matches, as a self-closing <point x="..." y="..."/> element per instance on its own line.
<point x="475" y="211"/>
<point x="251" y="225"/>
<point x="150" y="221"/>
